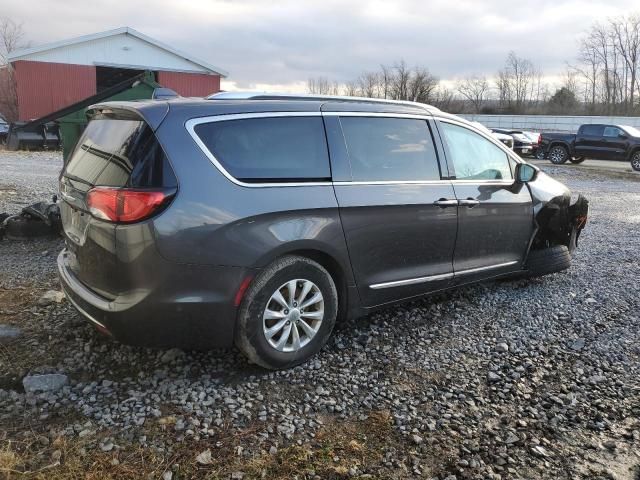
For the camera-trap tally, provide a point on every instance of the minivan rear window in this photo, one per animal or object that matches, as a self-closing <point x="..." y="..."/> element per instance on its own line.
<point x="271" y="149"/>
<point x="120" y="153"/>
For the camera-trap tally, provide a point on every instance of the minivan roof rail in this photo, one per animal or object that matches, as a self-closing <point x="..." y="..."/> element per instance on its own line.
<point x="312" y="97"/>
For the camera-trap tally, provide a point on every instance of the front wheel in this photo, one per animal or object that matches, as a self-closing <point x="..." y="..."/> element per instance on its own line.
<point x="558" y="155"/>
<point x="540" y="154"/>
<point x="635" y="161"/>
<point x="577" y="160"/>
<point x="287" y="314"/>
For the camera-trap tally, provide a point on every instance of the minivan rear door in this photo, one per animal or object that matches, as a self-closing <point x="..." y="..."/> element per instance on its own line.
<point x="114" y="151"/>
<point x="399" y="216"/>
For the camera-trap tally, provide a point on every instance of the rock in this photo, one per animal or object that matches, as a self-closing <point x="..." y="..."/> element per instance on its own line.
<point x="417" y="439"/>
<point x="273" y="450"/>
<point x="512" y="438"/>
<point x="577" y="344"/>
<point x="609" y="445"/>
<point x="204" y="458"/>
<point x="56" y="456"/>
<point x="502" y="347"/>
<point x="171" y="355"/>
<point x="168" y="475"/>
<point x="85" y="433"/>
<point x="50" y="297"/>
<point x="106" y="447"/>
<point x="8" y="333"/>
<point x="44" y="383"/>
<point x="493" y="377"/>
<point x="237" y="476"/>
<point x="539" y="451"/>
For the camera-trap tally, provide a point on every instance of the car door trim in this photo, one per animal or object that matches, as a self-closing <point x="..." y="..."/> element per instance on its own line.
<point x="443" y="276"/>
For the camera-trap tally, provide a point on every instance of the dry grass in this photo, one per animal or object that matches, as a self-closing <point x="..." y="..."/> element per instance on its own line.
<point x="338" y="447"/>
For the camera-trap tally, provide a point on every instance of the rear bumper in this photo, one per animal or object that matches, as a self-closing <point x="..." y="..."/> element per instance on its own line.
<point x="192" y="308"/>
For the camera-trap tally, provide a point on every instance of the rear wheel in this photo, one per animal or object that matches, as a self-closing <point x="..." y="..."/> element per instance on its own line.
<point x="558" y="155"/>
<point x="548" y="260"/>
<point x="577" y="159"/>
<point x="287" y="314"/>
<point x="635" y="161"/>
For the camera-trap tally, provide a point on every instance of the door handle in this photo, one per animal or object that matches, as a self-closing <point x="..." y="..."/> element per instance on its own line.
<point x="445" y="202"/>
<point x="469" y="202"/>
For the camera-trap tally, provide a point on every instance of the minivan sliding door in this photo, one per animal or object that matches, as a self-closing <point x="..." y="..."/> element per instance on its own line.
<point x="399" y="217"/>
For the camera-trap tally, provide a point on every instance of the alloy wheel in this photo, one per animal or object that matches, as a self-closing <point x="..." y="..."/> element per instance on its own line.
<point x="635" y="161"/>
<point x="293" y="315"/>
<point x="558" y="155"/>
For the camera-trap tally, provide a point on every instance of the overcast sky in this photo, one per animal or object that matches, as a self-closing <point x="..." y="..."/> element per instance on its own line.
<point x="278" y="45"/>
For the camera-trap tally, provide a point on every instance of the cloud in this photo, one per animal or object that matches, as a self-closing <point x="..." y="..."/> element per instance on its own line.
<point x="279" y="45"/>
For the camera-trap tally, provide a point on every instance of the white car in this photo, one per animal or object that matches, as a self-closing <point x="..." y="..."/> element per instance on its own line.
<point x="506" y="139"/>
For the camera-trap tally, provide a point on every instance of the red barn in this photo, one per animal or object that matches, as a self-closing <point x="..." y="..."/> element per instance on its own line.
<point x="50" y="77"/>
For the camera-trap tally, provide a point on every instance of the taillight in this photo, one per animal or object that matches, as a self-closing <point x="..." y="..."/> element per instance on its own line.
<point x="539" y="138"/>
<point x="126" y="205"/>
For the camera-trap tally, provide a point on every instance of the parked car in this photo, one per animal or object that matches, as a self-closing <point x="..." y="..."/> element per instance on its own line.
<point x="606" y="142"/>
<point x="536" y="140"/>
<point x="522" y="144"/>
<point x="506" y="139"/>
<point x="264" y="219"/>
<point x="4" y="130"/>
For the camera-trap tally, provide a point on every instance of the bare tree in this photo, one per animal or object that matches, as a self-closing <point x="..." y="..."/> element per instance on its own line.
<point x="369" y="85"/>
<point x="475" y="89"/>
<point x="11" y="39"/>
<point x="519" y="83"/>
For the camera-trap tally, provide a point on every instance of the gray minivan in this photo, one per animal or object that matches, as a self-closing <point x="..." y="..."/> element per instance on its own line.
<point x="260" y="220"/>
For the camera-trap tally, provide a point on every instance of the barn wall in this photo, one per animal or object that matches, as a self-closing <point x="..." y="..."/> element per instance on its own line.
<point x="46" y="87"/>
<point x="190" y="84"/>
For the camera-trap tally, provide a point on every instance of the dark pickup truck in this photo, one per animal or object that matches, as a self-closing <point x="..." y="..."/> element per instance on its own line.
<point x="606" y="142"/>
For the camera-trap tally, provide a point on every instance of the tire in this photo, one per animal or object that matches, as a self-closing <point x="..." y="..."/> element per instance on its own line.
<point x="635" y="161"/>
<point x="251" y="335"/>
<point x="577" y="160"/>
<point x="21" y="227"/>
<point x="540" y="154"/>
<point x="548" y="260"/>
<point x="558" y="155"/>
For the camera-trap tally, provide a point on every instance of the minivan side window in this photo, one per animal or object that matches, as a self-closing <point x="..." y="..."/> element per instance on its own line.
<point x="390" y="149"/>
<point x="473" y="156"/>
<point x="269" y="149"/>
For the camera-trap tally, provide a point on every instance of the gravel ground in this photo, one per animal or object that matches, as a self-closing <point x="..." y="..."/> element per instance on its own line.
<point x="513" y="379"/>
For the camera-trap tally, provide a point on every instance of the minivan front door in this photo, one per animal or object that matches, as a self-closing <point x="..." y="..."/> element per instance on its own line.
<point x="495" y="220"/>
<point x="398" y="216"/>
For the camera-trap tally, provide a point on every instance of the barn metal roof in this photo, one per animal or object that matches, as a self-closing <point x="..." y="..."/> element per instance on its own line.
<point x="42" y="52"/>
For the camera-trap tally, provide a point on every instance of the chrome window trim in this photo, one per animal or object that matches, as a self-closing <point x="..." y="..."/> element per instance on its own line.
<point x="442" y="276"/>
<point x="510" y="153"/>
<point x="414" y="116"/>
<point x="391" y="182"/>
<point x="194" y="122"/>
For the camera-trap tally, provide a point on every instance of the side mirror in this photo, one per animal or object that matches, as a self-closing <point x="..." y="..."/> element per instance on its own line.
<point x="526" y="173"/>
<point x="623" y="136"/>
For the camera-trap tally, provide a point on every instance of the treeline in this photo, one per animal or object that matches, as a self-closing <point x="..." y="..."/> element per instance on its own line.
<point x="604" y="79"/>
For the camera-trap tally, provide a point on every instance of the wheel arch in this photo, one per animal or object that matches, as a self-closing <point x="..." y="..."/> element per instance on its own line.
<point x="340" y="272"/>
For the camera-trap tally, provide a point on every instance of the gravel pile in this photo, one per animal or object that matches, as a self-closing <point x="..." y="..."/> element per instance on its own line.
<point x="515" y="379"/>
